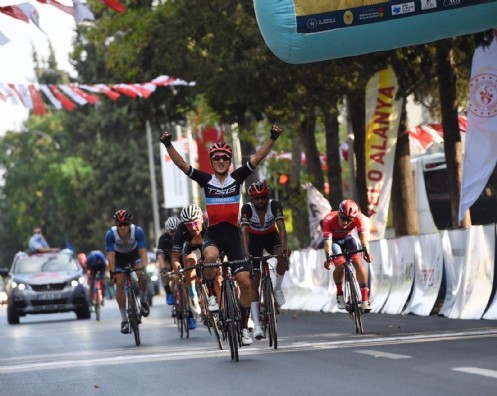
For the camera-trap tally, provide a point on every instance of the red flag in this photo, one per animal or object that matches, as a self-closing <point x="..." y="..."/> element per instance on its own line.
<point x="91" y="99"/>
<point x="105" y="89"/>
<point x="115" y="5"/>
<point x="66" y="103"/>
<point x="67" y="9"/>
<point x="15" y="12"/>
<point x="145" y="89"/>
<point x="162" y="81"/>
<point x="38" y="105"/>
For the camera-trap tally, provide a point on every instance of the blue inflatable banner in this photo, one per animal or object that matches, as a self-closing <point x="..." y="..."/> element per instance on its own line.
<point x="304" y="31"/>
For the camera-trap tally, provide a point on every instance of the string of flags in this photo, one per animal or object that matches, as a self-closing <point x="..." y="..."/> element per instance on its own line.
<point x="25" y="11"/>
<point x="69" y="96"/>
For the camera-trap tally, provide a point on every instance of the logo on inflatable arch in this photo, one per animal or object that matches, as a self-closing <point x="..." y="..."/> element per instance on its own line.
<point x="483" y="95"/>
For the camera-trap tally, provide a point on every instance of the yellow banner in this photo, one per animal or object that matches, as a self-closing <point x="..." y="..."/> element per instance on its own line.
<point x="310" y="7"/>
<point x="382" y="124"/>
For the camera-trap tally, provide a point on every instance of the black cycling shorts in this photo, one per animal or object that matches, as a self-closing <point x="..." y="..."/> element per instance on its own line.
<point x="260" y="242"/>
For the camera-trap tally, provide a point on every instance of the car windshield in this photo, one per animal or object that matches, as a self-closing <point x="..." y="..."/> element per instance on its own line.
<point x="32" y="264"/>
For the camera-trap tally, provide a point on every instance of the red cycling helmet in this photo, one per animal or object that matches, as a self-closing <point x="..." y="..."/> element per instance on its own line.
<point x="258" y="189"/>
<point x="122" y="216"/>
<point x="348" y="208"/>
<point x="221" y="147"/>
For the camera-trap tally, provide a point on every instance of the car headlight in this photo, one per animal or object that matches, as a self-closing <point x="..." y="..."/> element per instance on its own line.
<point x="74" y="283"/>
<point x="18" y="285"/>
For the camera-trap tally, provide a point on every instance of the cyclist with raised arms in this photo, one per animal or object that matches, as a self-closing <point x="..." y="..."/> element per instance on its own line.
<point x="337" y="232"/>
<point x="125" y="243"/>
<point x="222" y="193"/>
<point x="263" y="228"/>
<point x="164" y="250"/>
<point x="187" y="241"/>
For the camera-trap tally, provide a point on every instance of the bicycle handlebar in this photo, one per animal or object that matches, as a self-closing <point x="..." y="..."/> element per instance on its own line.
<point x="180" y="271"/>
<point x="347" y="254"/>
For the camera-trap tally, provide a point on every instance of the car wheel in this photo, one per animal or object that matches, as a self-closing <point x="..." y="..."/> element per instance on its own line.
<point x="12" y="315"/>
<point x="83" y="313"/>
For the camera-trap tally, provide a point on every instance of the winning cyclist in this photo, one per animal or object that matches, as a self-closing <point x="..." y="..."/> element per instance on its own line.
<point x="164" y="249"/>
<point x="222" y="192"/>
<point x="96" y="265"/>
<point x="337" y="232"/>
<point x="125" y="243"/>
<point x="187" y="241"/>
<point x="263" y="228"/>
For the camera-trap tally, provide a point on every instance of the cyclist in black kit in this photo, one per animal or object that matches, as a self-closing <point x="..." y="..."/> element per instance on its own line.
<point x="164" y="249"/>
<point x="263" y="228"/>
<point x="222" y="193"/>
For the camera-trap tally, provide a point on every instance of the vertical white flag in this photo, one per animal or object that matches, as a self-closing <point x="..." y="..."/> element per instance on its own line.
<point x="481" y="135"/>
<point x="175" y="182"/>
<point x="382" y="124"/>
<point x="318" y="207"/>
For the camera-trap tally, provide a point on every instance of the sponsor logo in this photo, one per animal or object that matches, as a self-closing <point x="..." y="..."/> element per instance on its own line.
<point x="312" y="23"/>
<point x="450" y="3"/>
<point x="348" y="17"/>
<point x="483" y="95"/>
<point x="428" y="4"/>
<point x="404" y="8"/>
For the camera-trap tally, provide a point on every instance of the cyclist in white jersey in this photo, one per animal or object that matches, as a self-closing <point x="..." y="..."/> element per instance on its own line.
<point x="125" y="243"/>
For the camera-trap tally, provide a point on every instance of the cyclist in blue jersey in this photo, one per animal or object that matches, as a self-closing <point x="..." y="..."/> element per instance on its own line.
<point x="125" y="243"/>
<point x="96" y="266"/>
<point x="222" y="193"/>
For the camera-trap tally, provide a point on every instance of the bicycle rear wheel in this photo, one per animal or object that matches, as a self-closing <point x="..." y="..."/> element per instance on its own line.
<point x="270" y="313"/>
<point x="98" y="302"/>
<point x="229" y="311"/>
<point x="133" y="315"/>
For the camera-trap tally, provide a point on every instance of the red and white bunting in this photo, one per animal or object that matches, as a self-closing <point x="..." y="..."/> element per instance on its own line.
<point x="69" y="96"/>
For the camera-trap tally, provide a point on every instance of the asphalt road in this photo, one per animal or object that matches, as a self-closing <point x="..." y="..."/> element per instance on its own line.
<point x="318" y="353"/>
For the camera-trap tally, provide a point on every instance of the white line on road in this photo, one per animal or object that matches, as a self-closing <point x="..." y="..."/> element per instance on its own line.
<point x="383" y="354"/>
<point x="477" y="371"/>
<point x="113" y="357"/>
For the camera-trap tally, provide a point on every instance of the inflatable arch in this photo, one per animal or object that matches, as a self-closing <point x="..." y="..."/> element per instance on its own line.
<point x="305" y="31"/>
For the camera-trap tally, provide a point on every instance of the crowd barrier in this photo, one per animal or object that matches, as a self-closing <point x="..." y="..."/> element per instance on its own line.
<point x="450" y="272"/>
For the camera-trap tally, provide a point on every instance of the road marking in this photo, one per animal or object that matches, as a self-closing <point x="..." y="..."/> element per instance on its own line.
<point x="477" y="371"/>
<point x="132" y="356"/>
<point x="387" y="355"/>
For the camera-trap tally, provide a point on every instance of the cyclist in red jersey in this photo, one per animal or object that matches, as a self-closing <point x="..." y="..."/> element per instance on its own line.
<point x="222" y="193"/>
<point x="337" y="232"/>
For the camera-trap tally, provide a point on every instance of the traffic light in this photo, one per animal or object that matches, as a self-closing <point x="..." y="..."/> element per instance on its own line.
<point x="283" y="179"/>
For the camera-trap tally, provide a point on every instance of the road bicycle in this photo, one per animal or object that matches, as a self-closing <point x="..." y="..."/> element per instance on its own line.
<point x="133" y="302"/>
<point x="351" y="291"/>
<point x="267" y="303"/>
<point x="98" y="296"/>
<point x="210" y="319"/>
<point x="181" y="306"/>
<point x="229" y="312"/>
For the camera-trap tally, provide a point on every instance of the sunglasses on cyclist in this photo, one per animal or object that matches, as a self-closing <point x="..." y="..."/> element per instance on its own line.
<point x="260" y="198"/>
<point x="193" y="223"/>
<point x="220" y="157"/>
<point x="345" y="219"/>
<point x="125" y="224"/>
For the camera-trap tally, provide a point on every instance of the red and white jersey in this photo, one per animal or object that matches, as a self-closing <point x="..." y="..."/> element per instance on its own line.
<point x="332" y="229"/>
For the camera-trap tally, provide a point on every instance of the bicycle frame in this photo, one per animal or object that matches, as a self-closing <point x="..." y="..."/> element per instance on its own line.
<point x="230" y="314"/>
<point x="351" y="291"/>
<point x="267" y="302"/>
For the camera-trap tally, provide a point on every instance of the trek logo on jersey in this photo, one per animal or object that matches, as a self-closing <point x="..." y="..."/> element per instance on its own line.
<point x="216" y="191"/>
<point x="403" y="8"/>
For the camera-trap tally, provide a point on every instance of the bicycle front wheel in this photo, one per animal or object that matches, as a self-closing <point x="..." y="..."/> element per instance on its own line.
<point x="98" y="303"/>
<point x="229" y="311"/>
<point x="133" y="315"/>
<point x="355" y="302"/>
<point x="270" y="313"/>
<point x="210" y="319"/>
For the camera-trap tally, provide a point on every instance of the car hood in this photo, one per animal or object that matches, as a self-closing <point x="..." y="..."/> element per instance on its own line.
<point x="42" y="278"/>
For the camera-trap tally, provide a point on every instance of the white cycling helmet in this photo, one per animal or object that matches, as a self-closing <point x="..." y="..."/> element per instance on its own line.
<point x="172" y="223"/>
<point x="191" y="213"/>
